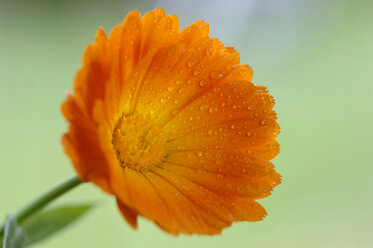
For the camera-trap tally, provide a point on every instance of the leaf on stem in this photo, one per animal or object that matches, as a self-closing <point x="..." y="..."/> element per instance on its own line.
<point x="51" y="221"/>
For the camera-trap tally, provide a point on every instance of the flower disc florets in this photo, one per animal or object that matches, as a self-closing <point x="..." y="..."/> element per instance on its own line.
<point x="138" y="142"/>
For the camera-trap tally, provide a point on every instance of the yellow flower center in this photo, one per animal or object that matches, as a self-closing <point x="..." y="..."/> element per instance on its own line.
<point x="138" y="142"/>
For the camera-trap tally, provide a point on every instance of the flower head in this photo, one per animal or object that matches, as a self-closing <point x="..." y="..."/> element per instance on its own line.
<point x="170" y="124"/>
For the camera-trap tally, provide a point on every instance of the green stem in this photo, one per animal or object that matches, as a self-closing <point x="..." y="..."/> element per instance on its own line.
<point x="43" y="200"/>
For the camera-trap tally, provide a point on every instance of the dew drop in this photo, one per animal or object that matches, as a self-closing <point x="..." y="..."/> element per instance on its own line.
<point x="250" y="108"/>
<point x="264" y="122"/>
<point x="216" y="75"/>
<point x="196" y="73"/>
<point x="203" y="83"/>
<point x="203" y="107"/>
<point x="213" y="110"/>
<point x="176" y="101"/>
<point x="190" y="63"/>
<point x="250" y="134"/>
<point x="234" y="126"/>
<point x="170" y="88"/>
<point x="178" y="81"/>
<point x="208" y="51"/>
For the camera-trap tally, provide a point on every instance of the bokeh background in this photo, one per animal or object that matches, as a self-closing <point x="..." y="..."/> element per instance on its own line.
<point x="316" y="57"/>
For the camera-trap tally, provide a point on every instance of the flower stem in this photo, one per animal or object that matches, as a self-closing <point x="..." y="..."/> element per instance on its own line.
<point x="43" y="200"/>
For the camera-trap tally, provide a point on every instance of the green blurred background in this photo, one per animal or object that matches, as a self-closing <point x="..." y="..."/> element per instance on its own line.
<point x="316" y="57"/>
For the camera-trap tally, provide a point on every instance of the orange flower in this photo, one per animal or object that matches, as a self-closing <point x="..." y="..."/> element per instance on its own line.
<point x="170" y="124"/>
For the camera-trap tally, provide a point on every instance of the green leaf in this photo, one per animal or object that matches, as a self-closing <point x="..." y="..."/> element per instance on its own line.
<point x="14" y="236"/>
<point x="49" y="222"/>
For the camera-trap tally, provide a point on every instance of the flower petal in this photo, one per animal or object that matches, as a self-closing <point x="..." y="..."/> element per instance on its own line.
<point x="128" y="213"/>
<point x="231" y="115"/>
<point x="90" y="80"/>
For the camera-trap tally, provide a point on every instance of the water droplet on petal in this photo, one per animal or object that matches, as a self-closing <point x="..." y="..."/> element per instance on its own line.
<point x="203" y="83"/>
<point x="190" y="63"/>
<point x="208" y="51"/>
<point x="243" y="72"/>
<point x="203" y="107"/>
<point x="234" y="126"/>
<point x="213" y="110"/>
<point x="216" y="75"/>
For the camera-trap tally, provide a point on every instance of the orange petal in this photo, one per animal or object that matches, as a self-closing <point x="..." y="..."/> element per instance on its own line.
<point x="182" y="75"/>
<point x="232" y="115"/>
<point x="91" y="78"/>
<point x="254" y="186"/>
<point x="217" y="209"/>
<point x="136" y="191"/>
<point x="192" y="217"/>
<point x="128" y="213"/>
<point x="125" y="40"/>
<point x="195" y="32"/>
<point x="230" y="163"/>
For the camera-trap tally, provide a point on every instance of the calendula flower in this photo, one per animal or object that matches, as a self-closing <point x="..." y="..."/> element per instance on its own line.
<point x="170" y="123"/>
